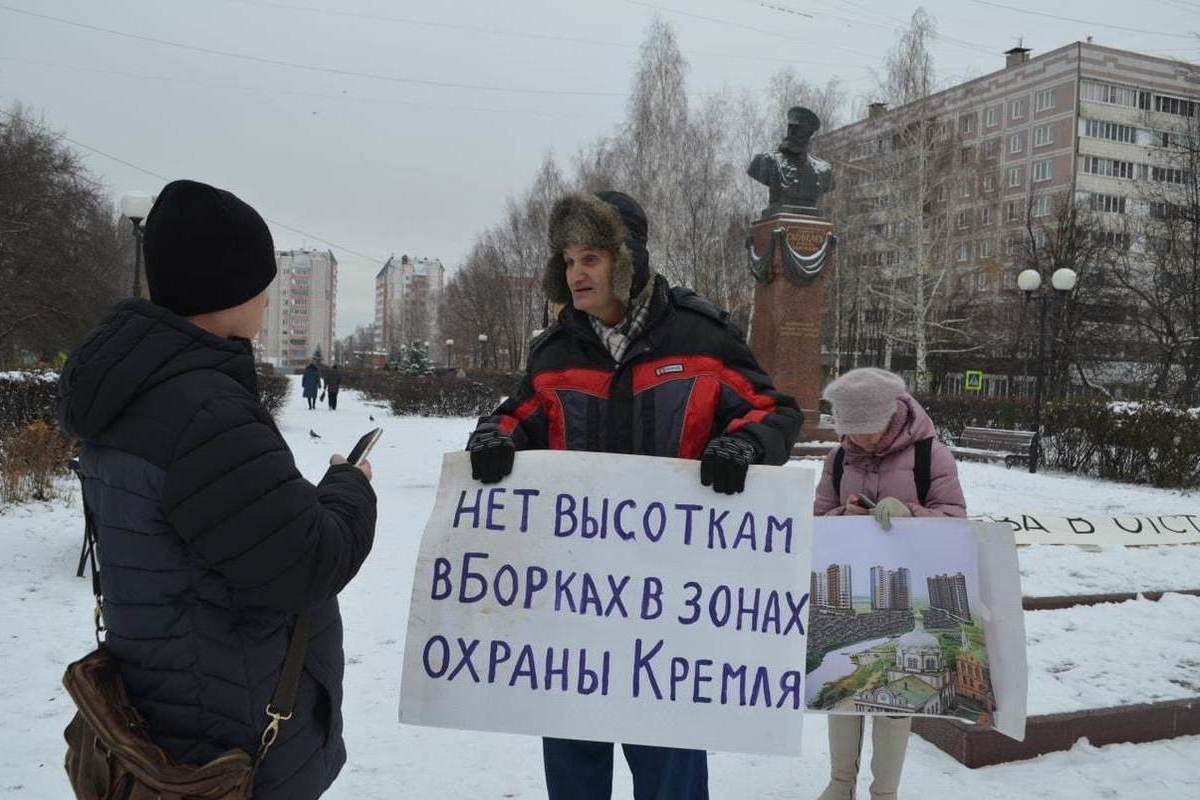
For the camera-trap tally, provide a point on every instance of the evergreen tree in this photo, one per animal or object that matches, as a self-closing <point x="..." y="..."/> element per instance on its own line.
<point x="416" y="359"/>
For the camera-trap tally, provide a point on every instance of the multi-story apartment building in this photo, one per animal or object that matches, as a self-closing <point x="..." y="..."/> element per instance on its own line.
<point x="839" y="586"/>
<point x="301" y="308"/>
<point x="818" y="589"/>
<point x="1083" y="124"/>
<point x="890" y="589"/>
<point x="407" y="294"/>
<point x="949" y="593"/>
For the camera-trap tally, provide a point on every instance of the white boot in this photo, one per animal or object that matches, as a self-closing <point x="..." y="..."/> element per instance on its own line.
<point x="889" y="739"/>
<point x="845" y="744"/>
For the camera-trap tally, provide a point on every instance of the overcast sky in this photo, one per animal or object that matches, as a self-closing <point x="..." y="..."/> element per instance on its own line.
<point x="455" y="102"/>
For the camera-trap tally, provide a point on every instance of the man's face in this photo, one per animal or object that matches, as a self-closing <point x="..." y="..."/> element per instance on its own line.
<point x="589" y="277"/>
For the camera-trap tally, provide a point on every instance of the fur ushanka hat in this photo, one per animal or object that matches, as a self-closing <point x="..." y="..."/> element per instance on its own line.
<point x="611" y="221"/>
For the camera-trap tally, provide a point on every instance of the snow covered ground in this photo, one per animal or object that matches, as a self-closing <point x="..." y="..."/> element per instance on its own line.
<point x="45" y="621"/>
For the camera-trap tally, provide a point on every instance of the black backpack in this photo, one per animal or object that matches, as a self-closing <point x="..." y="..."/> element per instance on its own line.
<point x="922" y="456"/>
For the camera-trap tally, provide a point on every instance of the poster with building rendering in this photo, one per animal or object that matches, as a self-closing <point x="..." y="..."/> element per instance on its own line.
<point x="914" y="621"/>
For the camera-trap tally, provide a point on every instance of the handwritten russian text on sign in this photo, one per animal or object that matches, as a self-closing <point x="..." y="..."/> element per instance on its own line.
<point x="1126" y="529"/>
<point x="613" y="598"/>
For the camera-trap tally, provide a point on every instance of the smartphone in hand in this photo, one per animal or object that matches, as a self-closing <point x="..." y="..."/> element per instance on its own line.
<point x="866" y="502"/>
<point x="363" y="448"/>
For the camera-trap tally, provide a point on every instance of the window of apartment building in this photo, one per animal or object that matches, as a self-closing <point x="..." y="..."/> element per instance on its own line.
<point x="982" y="281"/>
<point x="985" y="215"/>
<point x="1161" y="209"/>
<point x="1112" y="239"/>
<point x="985" y="248"/>
<point x="1040" y="237"/>
<point x="1016" y="143"/>
<point x="1114" y="94"/>
<point x="966" y="156"/>
<point x="1108" y="167"/>
<point x="964" y="251"/>
<point x="1167" y="174"/>
<point x="966" y="124"/>
<point x="1012" y="211"/>
<point x="1108" y="203"/>
<point x="1042" y="170"/>
<point x="964" y="218"/>
<point x="1012" y="245"/>
<point x="1043" y="100"/>
<point x="989" y="183"/>
<point x="1043" y="135"/>
<point x="964" y="189"/>
<point x="991" y="117"/>
<point x="1100" y="129"/>
<point x="1174" y="105"/>
<point x="1040" y="206"/>
<point x="1016" y="109"/>
<point x="1008" y="279"/>
<point x="1015" y="174"/>
<point x="990" y="148"/>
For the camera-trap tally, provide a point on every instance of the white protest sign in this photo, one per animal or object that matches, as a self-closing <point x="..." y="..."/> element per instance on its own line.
<point x="1124" y="529"/>
<point x="922" y="620"/>
<point x="613" y="598"/>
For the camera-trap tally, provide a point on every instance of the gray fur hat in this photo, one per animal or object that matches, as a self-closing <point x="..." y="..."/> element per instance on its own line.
<point x="864" y="399"/>
<point x="611" y="221"/>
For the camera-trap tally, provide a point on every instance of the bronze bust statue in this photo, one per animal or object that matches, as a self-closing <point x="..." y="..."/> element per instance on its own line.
<point x="796" y="180"/>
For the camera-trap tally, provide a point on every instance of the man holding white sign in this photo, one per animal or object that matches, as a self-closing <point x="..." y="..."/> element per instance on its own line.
<point x="633" y="366"/>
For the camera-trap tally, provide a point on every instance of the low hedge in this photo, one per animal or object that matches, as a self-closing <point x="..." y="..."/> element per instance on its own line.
<point x="434" y="395"/>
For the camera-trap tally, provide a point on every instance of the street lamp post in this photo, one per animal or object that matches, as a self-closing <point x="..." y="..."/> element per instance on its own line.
<point x="135" y="207"/>
<point x="1030" y="281"/>
<point x="483" y="338"/>
<point x="449" y="353"/>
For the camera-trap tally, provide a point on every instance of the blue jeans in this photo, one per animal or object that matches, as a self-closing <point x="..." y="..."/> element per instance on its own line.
<point x="579" y="770"/>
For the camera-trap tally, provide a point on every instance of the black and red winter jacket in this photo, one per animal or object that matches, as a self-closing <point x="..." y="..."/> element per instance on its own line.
<point x="686" y="379"/>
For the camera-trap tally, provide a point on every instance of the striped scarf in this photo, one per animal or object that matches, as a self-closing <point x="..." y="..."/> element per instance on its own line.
<point x="617" y="338"/>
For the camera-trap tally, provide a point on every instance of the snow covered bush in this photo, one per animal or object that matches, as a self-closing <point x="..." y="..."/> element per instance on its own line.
<point x="273" y="388"/>
<point x="1152" y="442"/>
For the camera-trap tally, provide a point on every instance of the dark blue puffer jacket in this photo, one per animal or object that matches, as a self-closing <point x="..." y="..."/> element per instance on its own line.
<point x="210" y="543"/>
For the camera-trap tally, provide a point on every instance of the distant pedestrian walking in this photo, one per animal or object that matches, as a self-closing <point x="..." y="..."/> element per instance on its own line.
<point x="311" y="382"/>
<point x="333" y="382"/>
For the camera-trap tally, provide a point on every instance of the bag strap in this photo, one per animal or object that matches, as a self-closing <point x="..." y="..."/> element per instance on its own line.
<point x="922" y="467"/>
<point x="839" y="466"/>
<point x="283" y="701"/>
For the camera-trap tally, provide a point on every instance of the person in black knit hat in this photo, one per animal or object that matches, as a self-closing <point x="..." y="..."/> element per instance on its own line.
<point x="210" y="541"/>
<point x="633" y="365"/>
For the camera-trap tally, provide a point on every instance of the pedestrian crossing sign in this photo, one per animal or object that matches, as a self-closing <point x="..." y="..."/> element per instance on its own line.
<point x="973" y="380"/>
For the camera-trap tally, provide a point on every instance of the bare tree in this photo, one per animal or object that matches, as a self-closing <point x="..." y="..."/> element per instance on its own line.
<point x="63" y="259"/>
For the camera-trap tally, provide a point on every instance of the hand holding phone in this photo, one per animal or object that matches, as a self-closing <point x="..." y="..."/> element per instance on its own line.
<point x="363" y="447"/>
<point x="866" y="502"/>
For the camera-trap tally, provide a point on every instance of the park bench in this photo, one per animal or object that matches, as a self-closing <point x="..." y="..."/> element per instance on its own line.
<point x="1013" y="446"/>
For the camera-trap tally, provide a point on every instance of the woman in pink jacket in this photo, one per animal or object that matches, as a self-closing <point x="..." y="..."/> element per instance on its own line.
<point x="889" y="458"/>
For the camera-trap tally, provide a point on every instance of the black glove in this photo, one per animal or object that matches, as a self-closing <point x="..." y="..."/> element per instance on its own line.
<point x="492" y="454"/>
<point x="723" y="465"/>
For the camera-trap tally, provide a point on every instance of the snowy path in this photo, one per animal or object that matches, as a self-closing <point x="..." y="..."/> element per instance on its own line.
<point x="45" y="621"/>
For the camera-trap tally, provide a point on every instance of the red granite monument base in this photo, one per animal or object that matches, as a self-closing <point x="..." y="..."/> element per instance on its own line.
<point x="786" y="330"/>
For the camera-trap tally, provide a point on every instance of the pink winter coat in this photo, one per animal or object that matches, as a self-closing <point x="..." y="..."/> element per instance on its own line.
<point x="888" y="472"/>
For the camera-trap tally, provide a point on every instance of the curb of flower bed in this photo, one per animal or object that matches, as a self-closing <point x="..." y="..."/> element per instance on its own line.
<point x="1069" y="600"/>
<point x="980" y="747"/>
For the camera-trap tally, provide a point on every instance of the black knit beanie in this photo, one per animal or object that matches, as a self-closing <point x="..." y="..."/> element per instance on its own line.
<point x="206" y="250"/>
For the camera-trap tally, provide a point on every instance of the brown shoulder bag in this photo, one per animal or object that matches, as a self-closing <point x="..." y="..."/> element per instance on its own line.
<point x="110" y="755"/>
